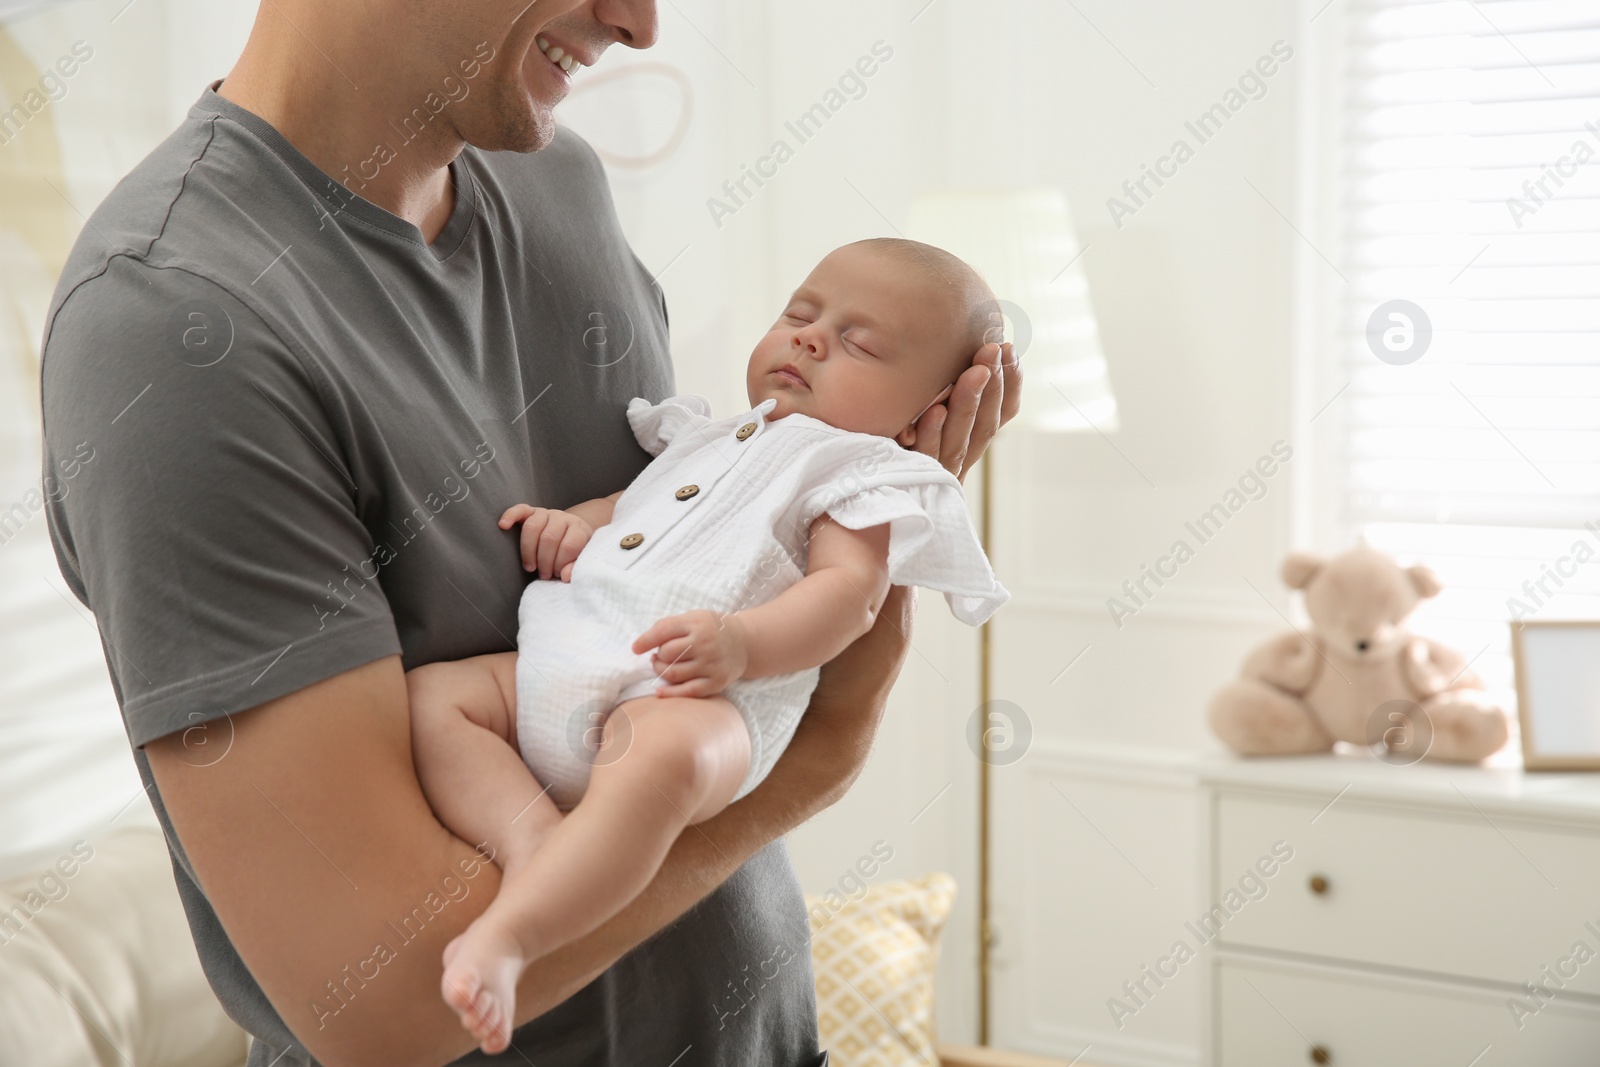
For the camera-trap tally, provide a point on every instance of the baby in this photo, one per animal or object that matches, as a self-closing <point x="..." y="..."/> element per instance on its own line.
<point x="664" y="669"/>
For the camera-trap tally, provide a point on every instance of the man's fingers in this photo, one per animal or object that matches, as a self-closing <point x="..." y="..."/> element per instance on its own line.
<point x="964" y="404"/>
<point x="929" y="429"/>
<point x="1011" y="383"/>
<point x="986" y="423"/>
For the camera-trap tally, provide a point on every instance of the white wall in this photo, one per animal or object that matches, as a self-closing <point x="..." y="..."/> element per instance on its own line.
<point x="1096" y="829"/>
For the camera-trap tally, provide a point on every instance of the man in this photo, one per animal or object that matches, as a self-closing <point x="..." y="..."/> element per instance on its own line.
<point x="318" y="340"/>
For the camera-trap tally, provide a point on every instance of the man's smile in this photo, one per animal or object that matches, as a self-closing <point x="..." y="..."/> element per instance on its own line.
<point x="563" y="59"/>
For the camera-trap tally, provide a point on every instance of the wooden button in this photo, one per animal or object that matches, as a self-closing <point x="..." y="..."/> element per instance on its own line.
<point x="1320" y="1055"/>
<point x="745" y="431"/>
<point x="633" y="540"/>
<point x="686" y="492"/>
<point x="1318" y="884"/>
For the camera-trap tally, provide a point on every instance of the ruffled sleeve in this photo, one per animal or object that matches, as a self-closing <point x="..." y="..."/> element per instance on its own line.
<point x="655" y="425"/>
<point x="931" y="539"/>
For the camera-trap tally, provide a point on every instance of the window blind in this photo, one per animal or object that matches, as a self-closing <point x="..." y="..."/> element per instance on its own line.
<point x="1470" y="186"/>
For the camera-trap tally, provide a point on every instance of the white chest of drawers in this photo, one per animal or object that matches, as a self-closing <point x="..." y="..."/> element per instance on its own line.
<point x="1362" y="914"/>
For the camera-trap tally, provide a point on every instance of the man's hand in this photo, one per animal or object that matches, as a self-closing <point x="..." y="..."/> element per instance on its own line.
<point x="551" y="540"/>
<point x="986" y="397"/>
<point x="698" y="653"/>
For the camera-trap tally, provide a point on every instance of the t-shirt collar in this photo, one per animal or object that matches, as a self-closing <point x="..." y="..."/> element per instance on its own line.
<point x="339" y="197"/>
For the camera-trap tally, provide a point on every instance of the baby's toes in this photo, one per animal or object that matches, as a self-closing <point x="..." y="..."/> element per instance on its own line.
<point x="493" y="1030"/>
<point x="462" y="988"/>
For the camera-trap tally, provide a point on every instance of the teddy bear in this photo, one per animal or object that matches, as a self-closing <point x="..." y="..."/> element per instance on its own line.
<point x="1359" y="675"/>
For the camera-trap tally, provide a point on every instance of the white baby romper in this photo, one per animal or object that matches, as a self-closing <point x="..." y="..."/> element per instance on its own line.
<point x="719" y="521"/>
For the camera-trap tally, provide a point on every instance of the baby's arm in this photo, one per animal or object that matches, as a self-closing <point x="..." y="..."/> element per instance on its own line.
<point x="552" y="539"/>
<point x="701" y="653"/>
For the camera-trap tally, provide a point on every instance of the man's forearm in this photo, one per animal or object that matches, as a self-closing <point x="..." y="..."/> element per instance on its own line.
<point x="828" y="750"/>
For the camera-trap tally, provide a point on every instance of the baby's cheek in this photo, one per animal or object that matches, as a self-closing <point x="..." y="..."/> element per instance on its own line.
<point x="872" y="403"/>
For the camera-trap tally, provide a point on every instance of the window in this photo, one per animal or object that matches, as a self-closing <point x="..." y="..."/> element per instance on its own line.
<point x="1469" y="145"/>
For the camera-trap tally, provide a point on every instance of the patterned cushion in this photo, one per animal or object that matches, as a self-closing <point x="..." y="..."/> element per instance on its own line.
<point x="874" y="960"/>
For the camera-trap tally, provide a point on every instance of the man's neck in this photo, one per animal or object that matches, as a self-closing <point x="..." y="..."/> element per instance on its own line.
<point x="337" y="115"/>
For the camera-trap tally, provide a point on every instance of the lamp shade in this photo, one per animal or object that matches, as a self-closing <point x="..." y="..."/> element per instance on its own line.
<point x="1022" y="242"/>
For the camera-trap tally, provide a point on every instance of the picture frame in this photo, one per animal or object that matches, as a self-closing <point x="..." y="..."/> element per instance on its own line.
<point x="1557" y="664"/>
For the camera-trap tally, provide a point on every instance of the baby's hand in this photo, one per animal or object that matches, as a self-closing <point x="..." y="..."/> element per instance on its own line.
<point x="551" y="540"/>
<point x="698" y="653"/>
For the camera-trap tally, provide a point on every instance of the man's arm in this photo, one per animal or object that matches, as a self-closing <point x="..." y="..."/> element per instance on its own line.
<point x="342" y="844"/>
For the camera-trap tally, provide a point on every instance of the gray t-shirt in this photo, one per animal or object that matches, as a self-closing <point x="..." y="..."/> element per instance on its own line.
<point x="305" y="421"/>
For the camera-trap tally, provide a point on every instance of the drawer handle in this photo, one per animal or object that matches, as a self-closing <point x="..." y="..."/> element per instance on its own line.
<point x="1320" y="1055"/>
<point x="1319" y="886"/>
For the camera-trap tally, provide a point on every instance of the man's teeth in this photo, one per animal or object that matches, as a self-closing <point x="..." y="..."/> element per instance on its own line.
<point x="557" y="56"/>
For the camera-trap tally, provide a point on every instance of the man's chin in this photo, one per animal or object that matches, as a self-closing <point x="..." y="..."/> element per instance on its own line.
<point x="519" y="124"/>
<point x="520" y="117"/>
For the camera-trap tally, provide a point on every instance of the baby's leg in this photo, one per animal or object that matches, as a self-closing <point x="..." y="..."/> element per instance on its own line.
<point x="683" y="761"/>
<point x="464" y="742"/>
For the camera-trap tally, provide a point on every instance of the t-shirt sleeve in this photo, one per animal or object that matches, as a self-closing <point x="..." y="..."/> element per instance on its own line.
<point x="931" y="539"/>
<point x="211" y="520"/>
<point x="655" y="425"/>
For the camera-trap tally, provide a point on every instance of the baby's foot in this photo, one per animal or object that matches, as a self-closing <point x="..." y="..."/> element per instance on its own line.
<point x="481" y="968"/>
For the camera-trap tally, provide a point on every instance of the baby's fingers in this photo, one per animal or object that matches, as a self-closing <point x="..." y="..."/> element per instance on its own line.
<point x="678" y="671"/>
<point x="676" y="650"/>
<point x="571" y="544"/>
<point x="550" y="548"/>
<point x="696" y="687"/>
<point x="515" y="514"/>
<point x="661" y="632"/>
<point x="532" y="533"/>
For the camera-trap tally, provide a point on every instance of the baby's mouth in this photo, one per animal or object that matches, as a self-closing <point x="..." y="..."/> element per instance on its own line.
<point x="788" y="373"/>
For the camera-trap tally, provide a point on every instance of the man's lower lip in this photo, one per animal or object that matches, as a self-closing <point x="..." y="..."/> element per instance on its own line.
<point x="563" y="75"/>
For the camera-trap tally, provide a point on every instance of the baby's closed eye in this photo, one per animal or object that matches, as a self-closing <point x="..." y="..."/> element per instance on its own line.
<point x="859" y="344"/>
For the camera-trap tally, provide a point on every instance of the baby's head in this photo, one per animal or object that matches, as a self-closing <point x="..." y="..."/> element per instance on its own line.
<point x="878" y="332"/>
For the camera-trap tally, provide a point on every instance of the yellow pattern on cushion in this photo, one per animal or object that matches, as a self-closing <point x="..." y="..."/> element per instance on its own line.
<point x="874" y="960"/>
